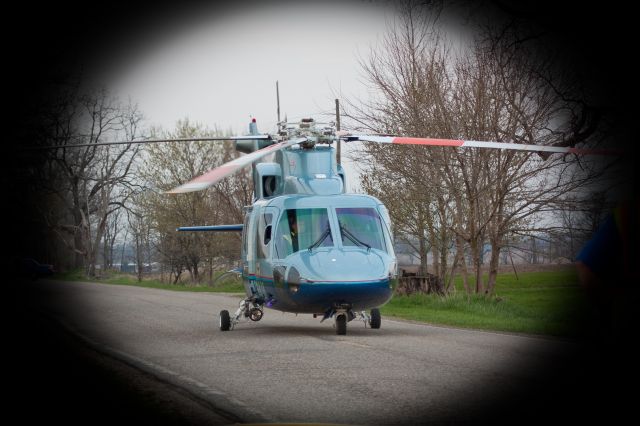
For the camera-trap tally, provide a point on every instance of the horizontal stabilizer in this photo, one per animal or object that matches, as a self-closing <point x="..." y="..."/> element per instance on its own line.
<point x="213" y="228"/>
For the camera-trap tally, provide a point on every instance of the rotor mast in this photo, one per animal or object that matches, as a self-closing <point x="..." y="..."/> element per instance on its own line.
<point x="338" y="129"/>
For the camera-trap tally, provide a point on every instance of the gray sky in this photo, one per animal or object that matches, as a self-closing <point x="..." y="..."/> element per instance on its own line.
<point x="220" y="70"/>
<point x="219" y="67"/>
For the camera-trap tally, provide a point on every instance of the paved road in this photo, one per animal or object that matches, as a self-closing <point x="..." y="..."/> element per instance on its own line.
<point x="289" y="368"/>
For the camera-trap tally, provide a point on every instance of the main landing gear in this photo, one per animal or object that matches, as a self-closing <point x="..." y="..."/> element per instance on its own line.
<point x="250" y="308"/>
<point x="342" y="317"/>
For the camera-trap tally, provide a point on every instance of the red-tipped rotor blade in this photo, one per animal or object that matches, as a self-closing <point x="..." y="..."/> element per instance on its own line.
<point x="481" y="144"/>
<point x="212" y="176"/>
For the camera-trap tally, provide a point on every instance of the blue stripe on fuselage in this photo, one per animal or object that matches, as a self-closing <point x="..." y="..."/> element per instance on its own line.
<point x="270" y="280"/>
<point x="317" y="297"/>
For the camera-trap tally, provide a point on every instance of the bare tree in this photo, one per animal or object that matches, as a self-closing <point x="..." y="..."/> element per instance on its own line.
<point x="93" y="182"/>
<point x="169" y="165"/>
<point x="496" y="88"/>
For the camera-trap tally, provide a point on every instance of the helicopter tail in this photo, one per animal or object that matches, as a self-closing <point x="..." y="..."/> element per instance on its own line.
<point x="248" y="146"/>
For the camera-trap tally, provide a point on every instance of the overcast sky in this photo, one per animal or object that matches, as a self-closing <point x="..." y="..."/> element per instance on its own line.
<point x="220" y="67"/>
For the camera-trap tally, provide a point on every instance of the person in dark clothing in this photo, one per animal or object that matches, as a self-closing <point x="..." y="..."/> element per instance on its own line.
<point x="606" y="268"/>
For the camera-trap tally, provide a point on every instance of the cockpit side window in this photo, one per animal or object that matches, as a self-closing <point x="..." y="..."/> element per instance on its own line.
<point x="361" y="227"/>
<point x="264" y="235"/>
<point x="301" y="229"/>
<point x="386" y="227"/>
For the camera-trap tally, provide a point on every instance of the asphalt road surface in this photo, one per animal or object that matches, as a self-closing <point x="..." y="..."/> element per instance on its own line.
<point x="162" y="351"/>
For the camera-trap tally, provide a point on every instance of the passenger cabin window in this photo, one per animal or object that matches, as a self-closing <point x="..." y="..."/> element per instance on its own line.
<point x="264" y="235"/>
<point x="301" y="229"/>
<point x="361" y="227"/>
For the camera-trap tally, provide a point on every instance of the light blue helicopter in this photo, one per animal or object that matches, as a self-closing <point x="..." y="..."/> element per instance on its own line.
<point x="307" y="246"/>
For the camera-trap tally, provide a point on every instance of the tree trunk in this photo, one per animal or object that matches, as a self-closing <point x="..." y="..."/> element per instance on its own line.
<point x="463" y="264"/>
<point x="78" y="258"/>
<point x="139" y="257"/>
<point x="424" y="256"/>
<point x="476" y="255"/>
<point x="493" y="267"/>
<point x="93" y="253"/>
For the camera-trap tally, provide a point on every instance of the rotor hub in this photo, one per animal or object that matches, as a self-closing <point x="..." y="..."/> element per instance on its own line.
<point x="313" y="131"/>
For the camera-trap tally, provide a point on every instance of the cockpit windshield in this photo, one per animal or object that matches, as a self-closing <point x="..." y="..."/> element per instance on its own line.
<point x="301" y="229"/>
<point x="361" y="227"/>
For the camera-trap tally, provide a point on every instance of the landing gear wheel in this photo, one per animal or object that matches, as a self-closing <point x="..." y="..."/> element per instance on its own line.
<point x="225" y="321"/>
<point x="341" y="324"/>
<point x="376" y="319"/>
<point x="255" y="314"/>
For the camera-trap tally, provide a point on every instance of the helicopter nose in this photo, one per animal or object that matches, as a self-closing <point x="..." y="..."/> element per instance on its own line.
<point x="322" y="279"/>
<point x="344" y="266"/>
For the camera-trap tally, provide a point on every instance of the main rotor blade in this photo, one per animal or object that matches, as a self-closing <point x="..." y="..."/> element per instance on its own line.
<point x="480" y="144"/>
<point x="212" y="176"/>
<point x="216" y="138"/>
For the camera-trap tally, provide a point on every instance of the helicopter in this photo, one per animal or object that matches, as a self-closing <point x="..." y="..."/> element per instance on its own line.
<point x="308" y="247"/>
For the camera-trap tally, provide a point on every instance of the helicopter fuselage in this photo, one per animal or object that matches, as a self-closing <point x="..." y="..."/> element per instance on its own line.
<point x="315" y="254"/>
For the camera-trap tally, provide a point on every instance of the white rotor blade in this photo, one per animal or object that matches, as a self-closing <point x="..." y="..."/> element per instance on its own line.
<point x="479" y="144"/>
<point x="212" y="176"/>
<point x="145" y="141"/>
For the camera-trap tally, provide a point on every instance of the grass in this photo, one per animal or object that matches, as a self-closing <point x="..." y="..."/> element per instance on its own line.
<point x="549" y="303"/>
<point x="545" y="302"/>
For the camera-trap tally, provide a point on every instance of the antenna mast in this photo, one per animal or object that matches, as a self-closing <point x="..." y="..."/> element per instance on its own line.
<point x="278" y="101"/>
